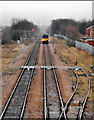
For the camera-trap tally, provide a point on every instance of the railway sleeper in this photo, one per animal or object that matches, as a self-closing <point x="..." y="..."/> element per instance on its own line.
<point x="28" y="67"/>
<point x="52" y="67"/>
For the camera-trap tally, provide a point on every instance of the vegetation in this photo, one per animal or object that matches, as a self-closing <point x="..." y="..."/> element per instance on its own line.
<point x="19" y="30"/>
<point x="9" y="52"/>
<point x="77" y="57"/>
<point x="73" y="55"/>
<point x="6" y="35"/>
<point x="70" y="27"/>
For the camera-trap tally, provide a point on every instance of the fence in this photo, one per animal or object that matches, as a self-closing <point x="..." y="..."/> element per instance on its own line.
<point x="79" y="45"/>
<point x="85" y="46"/>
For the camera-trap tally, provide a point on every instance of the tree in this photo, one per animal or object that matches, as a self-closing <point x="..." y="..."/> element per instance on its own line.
<point x="21" y="24"/>
<point x="6" y="35"/>
<point x="60" y="26"/>
<point x="72" y="32"/>
<point x="22" y="27"/>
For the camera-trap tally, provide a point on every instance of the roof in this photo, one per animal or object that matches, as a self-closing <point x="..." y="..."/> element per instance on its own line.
<point x="90" y="27"/>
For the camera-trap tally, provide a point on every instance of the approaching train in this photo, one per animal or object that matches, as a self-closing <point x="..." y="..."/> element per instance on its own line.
<point x="45" y="38"/>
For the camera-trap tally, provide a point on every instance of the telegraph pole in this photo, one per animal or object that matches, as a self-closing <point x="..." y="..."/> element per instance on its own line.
<point x="25" y="34"/>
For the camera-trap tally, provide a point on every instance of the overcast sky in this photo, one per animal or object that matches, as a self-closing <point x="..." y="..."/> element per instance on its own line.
<point x="42" y="12"/>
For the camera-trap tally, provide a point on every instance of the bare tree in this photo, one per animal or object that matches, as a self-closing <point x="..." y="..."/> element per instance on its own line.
<point x="72" y="32"/>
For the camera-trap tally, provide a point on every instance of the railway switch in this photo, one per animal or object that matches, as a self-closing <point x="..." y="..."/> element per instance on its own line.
<point x="28" y="67"/>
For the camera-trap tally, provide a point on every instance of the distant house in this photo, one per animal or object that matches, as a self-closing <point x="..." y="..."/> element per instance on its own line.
<point x="90" y="31"/>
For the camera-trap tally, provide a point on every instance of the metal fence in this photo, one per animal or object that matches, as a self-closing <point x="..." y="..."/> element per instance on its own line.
<point x="79" y="45"/>
<point x="85" y="46"/>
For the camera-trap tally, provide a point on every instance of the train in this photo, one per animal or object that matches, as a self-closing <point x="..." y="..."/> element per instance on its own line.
<point x="45" y="39"/>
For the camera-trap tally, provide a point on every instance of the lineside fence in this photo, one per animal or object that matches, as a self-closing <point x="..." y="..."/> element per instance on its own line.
<point x="77" y="44"/>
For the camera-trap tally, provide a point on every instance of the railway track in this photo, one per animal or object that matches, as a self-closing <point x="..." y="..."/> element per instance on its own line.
<point x="53" y="102"/>
<point x="77" y="110"/>
<point x="74" y="108"/>
<point x="16" y="103"/>
<point x="54" y="107"/>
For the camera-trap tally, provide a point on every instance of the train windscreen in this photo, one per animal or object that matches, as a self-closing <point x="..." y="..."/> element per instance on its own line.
<point x="45" y="36"/>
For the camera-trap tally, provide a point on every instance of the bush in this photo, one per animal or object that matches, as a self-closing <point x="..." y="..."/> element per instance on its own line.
<point x="27" y="42"/>
<point x="71" y="45"/>
<point x="6" y="41"/>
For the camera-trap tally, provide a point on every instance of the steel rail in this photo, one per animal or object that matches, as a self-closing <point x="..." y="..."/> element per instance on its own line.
<point x="70" y="99"/>
<point x="85" y="100"/>
<point x="15" y="87"/>
<point x="27" y="91"/>
<point x="9" y="99"/>
<point x="44" y="86"/>
<point x="80" y="113"/>
<point x="57" y="84"/>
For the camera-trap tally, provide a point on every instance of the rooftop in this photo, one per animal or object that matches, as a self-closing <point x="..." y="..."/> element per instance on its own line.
<point x="90" y="27"/>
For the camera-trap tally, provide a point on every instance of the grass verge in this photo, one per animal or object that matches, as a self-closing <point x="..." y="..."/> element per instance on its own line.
<point x="77" y="57"/>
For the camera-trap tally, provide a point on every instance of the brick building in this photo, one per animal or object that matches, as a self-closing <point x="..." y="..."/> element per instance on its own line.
<point x="90" y="31"/>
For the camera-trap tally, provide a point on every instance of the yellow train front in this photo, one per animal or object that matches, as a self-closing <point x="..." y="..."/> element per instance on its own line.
<point x="45" y="39"/>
